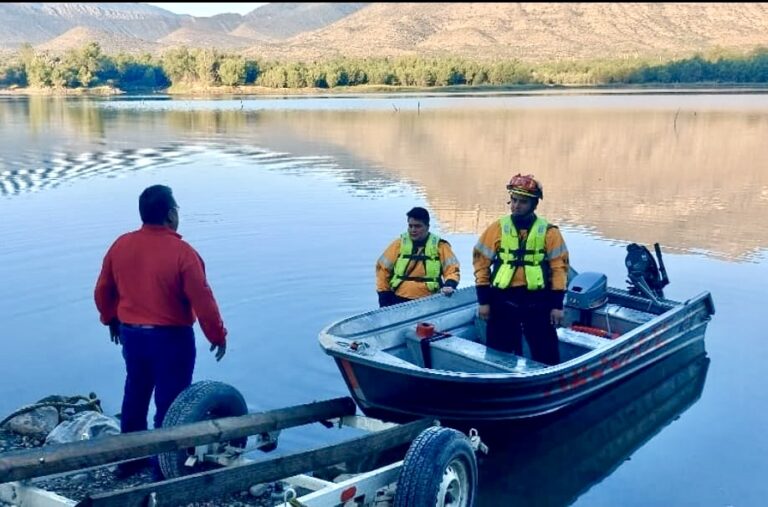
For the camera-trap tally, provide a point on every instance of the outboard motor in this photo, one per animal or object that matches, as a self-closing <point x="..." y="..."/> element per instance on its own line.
<point x="587" y="291"/>
<point x="646" y="278"/>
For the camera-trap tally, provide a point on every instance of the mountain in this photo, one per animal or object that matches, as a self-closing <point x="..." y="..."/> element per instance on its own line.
<point x="279" y="21"/>
<point x="76" y="37"/>
<point x="40" y="22"/>
<point x="534" y="31"/>
<point x="221" y="22"/>
<point x="526" y="31"/>
<point x="202" y="37"/>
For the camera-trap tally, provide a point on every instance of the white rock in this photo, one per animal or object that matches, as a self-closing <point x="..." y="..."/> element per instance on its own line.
<point x="36" y="423"/>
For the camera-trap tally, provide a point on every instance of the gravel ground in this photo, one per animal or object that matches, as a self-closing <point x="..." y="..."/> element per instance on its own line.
<point x="102" y="480"/>
<point x="77" y="486"/>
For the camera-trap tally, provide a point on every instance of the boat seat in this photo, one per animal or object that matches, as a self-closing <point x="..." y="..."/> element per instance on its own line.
<point x="454" y="353"/>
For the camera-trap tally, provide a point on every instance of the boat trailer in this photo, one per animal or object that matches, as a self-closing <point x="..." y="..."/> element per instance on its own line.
<point x="439" y="467"/>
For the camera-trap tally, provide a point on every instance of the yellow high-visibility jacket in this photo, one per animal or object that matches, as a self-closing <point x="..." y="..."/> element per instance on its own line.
<point x="412" y="289"/>
<point x="488" y="245"/>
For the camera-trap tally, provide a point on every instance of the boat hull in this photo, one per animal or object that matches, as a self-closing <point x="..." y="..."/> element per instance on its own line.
<point x="397" y="391"/>
<point x="398" y="396"/>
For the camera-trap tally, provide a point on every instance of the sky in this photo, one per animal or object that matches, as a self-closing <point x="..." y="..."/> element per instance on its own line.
<point x="205" y="9"/>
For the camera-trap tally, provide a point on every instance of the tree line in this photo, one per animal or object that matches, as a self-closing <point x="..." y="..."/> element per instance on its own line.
<point x="193" y="68"/>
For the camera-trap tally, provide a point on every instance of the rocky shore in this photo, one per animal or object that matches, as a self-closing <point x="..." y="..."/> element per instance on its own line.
<point x="78" y="485"/>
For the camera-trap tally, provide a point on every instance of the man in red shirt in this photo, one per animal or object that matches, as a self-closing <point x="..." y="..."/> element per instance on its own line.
<point x="151" y="286"/>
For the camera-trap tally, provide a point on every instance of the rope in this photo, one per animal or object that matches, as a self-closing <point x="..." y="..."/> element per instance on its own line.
<point x="71" y="402"/>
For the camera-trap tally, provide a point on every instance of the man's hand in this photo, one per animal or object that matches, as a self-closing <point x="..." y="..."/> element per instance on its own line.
<point x="220" y="350"/>
<point x="484" y="311"/>
<point x="556" y="317"/>
<point x="447" y="291"/>
<point x="114" y="331"/>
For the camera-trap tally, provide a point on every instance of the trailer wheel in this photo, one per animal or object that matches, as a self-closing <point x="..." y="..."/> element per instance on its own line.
<point x="439" y="469"/>
<point x="200" y="401"/>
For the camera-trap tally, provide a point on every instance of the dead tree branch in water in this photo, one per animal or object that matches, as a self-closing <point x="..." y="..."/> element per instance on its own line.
<point x="674" y="124"/>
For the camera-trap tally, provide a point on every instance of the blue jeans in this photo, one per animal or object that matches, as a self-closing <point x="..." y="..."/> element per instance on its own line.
<point x="159" y="359"/>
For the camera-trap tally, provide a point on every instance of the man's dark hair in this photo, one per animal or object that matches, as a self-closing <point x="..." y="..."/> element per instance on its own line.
<point x="154" y="204"/>
<point x="419" y="214"/>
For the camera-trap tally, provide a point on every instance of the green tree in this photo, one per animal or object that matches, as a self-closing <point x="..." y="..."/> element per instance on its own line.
<point x="297" y="76"/>
<point x="180" y="65"/>
<point x="232" y="71"/>
<point x="39" y="70"/>
<point x="274" y="77"/>
<point x="88" y="61"/>
<point x="63" y="75"/>
<point x="207" y="64"/>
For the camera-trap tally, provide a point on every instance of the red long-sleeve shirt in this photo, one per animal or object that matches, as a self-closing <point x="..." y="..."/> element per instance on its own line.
<point x="151" y="276"/>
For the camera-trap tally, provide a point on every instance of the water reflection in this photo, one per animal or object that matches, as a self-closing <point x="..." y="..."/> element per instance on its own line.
<point x="644" y="169"/>
<point x="37" y="173"/>
<point x="693" y="179"/>
<point x="254" y="227"/>
<point x="552" y="462"/>
<point x="64" y="167"/>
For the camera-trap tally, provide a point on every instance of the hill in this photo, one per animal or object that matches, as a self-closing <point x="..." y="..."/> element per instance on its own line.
<point x="280" y="21"/>
<point x="534" y="31"/>
<point x="80" y="35"/>
<point x="202" y="37"/>
<point x="38" y="23"/>
<point x="308" y="31"/>
<point x="42" y="23"/>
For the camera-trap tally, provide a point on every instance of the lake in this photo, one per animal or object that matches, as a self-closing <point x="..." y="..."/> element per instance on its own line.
<point x="290" y="201"/>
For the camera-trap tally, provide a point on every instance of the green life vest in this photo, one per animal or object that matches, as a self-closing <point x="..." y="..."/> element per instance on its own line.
<point x="530" y="255"/>
<point x="430" y="257"/>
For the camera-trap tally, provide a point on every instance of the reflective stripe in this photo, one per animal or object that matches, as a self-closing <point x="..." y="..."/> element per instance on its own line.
<point x="386" y="262"/>
<point x="450" y="261"/>
<point x="557" y="252"/>
<point x="487" y="252"/>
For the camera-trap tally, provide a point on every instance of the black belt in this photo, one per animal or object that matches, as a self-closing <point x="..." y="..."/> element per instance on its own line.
<point x="141" y="326"/>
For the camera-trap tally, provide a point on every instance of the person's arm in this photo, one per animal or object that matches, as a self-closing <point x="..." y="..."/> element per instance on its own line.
<point x="384" y="268"/>
<point x="200" y="295"/>
<point x="105" y="293"/>
<point x="482" y="257"/>
<point x="557" y="256"/>
<point x="450" y="267"/>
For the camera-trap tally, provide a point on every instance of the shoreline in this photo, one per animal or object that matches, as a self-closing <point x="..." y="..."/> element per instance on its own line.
<point x="104" y="91"/>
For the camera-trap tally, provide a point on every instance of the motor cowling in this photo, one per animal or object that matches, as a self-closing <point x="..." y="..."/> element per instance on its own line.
<point x="645" y="276"/>
<point x="587" y="291"/>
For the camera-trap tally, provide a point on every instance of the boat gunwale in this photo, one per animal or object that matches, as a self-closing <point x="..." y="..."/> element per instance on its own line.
<point x="331" y="345"/>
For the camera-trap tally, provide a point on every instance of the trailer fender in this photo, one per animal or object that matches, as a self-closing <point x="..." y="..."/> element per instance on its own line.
<point x="440" y="468"/>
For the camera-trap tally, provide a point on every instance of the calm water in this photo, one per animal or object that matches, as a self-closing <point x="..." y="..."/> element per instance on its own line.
<point x="291" y="200"/>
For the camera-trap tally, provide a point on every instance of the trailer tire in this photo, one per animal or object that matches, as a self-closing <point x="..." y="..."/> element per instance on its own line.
<point x="439" y="469"/>
<point x="201" y="401"/>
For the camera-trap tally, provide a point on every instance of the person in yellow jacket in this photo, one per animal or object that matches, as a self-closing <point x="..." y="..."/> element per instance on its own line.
<point x="416" y="265"/>
<point x="521" y="271"/>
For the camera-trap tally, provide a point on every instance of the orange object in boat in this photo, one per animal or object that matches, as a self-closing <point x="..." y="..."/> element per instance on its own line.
<point x="596" y="331"/>
<point x="425" y="330"/>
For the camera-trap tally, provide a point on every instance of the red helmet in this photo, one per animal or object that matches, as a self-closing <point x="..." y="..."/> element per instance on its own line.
<point x="525" y="185"/>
